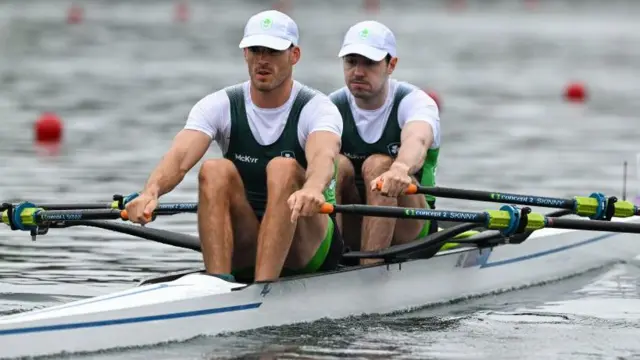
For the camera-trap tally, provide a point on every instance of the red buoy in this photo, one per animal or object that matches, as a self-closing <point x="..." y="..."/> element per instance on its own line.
<point x="531" y="4"/>
<point x="457" y="5"/>
<point x="283" y="6"/>
<point x="371" y="6"/>
<point x="48" y="128"/>
<point x="181" y="11"/>
<point x="434" y="95"/>
<point x="575" y="92"/>
<point x="75" y="14"/>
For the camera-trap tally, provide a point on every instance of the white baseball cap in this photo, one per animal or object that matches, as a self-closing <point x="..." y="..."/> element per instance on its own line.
<point x="271" y="29"/>
<point x="370" y="39"/>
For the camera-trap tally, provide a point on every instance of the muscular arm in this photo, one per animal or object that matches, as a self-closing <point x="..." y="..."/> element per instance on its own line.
<point x="188" y="147"/>
<point x="416" y="139"/>
<point x="321" y="150"/>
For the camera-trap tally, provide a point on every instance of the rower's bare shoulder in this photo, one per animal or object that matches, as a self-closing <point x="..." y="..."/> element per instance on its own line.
<point x="321" y="104"/>
<point x="320" y="114"/>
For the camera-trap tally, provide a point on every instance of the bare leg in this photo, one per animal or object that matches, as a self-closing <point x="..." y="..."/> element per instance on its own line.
<point x="380" y="233"/>
<point x="225" y="218"/>
<point x="377" y="232"/>
<point x="279" y="240"/>
<point x="407" y="230"/>
<point x="347" y="193"/>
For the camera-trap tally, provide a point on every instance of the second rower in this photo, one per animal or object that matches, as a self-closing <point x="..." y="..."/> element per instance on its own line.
<point x="391" y="135"/>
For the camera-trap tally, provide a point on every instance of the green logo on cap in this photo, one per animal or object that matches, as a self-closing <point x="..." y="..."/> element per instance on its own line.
<point x="364" y="33"/>
<point x="266" y="23"/>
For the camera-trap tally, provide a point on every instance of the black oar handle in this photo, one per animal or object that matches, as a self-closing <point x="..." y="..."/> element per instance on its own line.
<point x="407" y="213"/>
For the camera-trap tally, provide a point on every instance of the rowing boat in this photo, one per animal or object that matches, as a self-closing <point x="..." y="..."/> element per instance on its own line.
<point x="181" y="306"/>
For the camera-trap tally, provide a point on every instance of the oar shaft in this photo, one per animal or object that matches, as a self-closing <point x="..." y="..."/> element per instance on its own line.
<point x="26" y="216"/>
<point x="594" y="206"/>
<point x="29" y="215"/>
<point x="176" y="207"/>
<point x="497" y="197"/>
<point x="37" y="217"/>
<point x="79" y="206"/>
<point x="71" y="215"/>
<point x="407" y="213"/>
<point x="509" y="219"/>
<point x="163" y="208"/>
<point x="158" y="235"/>
<point x="592" y="225"/>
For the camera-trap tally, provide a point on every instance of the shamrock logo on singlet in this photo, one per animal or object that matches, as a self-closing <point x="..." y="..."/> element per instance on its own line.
<point x="393" y="148"/>
<point x="266" y="23"/>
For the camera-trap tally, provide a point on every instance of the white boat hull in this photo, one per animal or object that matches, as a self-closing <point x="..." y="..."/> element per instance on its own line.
<point x="196" y="304"/>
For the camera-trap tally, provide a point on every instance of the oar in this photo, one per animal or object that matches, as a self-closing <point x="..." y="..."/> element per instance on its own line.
<point x="427" y="246"/>
<point x="117" y="203"/>
<point x="435" y="241"/>
<point x="507" y="219"/>
<point x="158" y="235"/>
<point x="164" y="208"/>
<point x="596" y="206"/>
<point x="27" y="217"/>
<point x="73" y="206"/>
<point x="29" y="214"/>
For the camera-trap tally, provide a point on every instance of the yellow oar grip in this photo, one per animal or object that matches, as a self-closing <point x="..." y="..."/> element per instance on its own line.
<point x="5" y="217"/>
<point x="26" y="216"/>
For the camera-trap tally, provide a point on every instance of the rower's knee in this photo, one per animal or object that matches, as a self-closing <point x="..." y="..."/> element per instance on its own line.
<point x="345" y="168"/>
<point x="346" y="190"/>
<point x="216" y="174"/>
<point x="284" y="172"/>
<point x="375" y="165"/>
<point x="346" y="172"/>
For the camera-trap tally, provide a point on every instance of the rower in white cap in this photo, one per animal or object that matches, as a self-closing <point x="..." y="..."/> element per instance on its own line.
<point x="391" y="136"/>
<point x="258" y="206"/>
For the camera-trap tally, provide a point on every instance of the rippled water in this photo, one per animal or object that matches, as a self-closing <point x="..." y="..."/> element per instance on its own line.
<point x="125" y="79"/>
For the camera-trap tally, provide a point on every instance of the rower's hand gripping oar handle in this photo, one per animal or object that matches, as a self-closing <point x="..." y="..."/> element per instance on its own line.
<point x="26" y="216"/>
<point x="120" y="202"/>
<point x="125" y="216"/>
<point x="327" y="208"/>
<point x="411" y="189"/>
